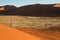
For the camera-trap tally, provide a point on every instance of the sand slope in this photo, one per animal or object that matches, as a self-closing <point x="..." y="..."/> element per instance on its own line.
<point x="2" y="9"/>
<point x="45" y="34"/>
<point x="57" y="5"/>
<point x="7" y="33"/>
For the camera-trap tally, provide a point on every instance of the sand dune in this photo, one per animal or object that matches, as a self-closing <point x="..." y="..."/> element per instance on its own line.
<point x="7" y="33"/>
<point x="45" y="34"/>
<point x="42" y="10"/>
<point x="57" y="5"/>
<point x="2" y="9"/>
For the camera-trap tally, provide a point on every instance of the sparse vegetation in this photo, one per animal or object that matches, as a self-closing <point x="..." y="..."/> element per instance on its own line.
<point x="30" y="21"/>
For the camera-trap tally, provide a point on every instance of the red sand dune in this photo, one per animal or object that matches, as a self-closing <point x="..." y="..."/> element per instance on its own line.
<point x="57" y="5"/>
<point x="2" y="9"/>
<point x="7" y="33"/>
<point x="44" y="34"/>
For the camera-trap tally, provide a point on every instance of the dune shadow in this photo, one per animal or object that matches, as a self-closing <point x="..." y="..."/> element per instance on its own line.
<point x="51" y="33"/>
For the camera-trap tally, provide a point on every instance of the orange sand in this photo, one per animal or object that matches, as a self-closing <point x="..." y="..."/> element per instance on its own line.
<point x="7" y="33"/>
<point x="56" y="5"/>
<point x="2" y="9"/>
<point x="44" y="34"/>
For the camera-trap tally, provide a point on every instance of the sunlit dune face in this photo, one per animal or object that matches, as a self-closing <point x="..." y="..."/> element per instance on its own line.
<point x="2" y="8"/>
<point x="56" y="5"/>
<point x="7" y="33"/>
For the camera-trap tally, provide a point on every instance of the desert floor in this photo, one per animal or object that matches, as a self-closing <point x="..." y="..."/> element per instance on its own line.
<point x="43" y="28"/>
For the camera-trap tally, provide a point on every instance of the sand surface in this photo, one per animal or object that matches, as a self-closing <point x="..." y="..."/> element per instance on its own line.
<point x="1" y="9"/>
<point x="45" y="34"/>
<point x="7" y="33"/>
<point x="57" y="5"/>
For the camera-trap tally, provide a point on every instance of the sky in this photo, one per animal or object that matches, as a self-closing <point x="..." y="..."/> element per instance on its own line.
<point x="26" y="2"/>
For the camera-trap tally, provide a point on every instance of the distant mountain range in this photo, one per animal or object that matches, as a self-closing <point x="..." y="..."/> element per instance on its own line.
<point x="46" y="10"/>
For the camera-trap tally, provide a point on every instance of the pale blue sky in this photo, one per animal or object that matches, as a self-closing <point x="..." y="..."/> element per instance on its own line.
<point x="27" y="2"/>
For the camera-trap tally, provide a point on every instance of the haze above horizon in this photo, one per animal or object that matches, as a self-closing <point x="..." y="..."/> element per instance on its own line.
<point x="27" y="2"/>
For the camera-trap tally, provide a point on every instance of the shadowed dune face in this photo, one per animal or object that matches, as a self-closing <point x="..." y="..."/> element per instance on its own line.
<point x="40" y="10"/>
<point x="46" y="10"/>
